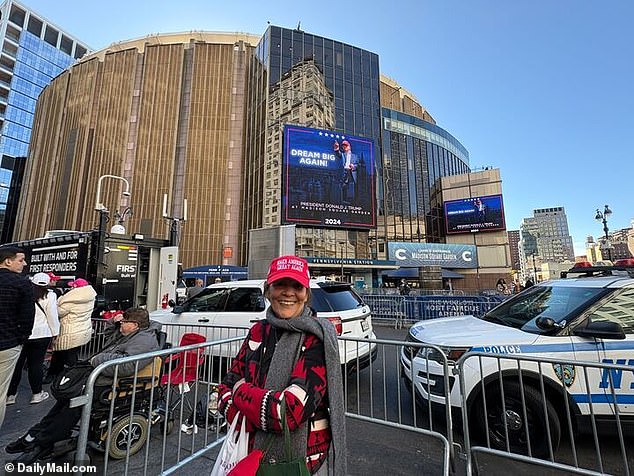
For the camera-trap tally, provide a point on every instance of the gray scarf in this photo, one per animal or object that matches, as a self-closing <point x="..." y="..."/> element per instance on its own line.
<point x="279" y="374"/>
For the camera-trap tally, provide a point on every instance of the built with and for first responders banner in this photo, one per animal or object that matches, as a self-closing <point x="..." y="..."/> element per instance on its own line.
<point x="328" y="179"/>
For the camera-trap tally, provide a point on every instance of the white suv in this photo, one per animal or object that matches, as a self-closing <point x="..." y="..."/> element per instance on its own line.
<point x="588" y="316"/>
<point x="227" y="309"/>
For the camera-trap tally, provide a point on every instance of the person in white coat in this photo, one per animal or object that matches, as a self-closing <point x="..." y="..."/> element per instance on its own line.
<point x="75" y="309"/>
<point x="45" y="327"/>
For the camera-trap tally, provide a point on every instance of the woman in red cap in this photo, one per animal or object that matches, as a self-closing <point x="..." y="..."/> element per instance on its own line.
<point x="292" y="356"/>
<point x="74" y="308"/>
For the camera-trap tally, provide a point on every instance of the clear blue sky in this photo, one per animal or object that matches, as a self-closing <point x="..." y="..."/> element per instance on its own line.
<point x="541" y="89"/>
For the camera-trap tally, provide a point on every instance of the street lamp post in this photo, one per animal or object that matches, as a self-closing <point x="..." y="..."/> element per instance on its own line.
<point x="534" y="269"/>
<point x="603" y="217"/>
<point x="103" y="213"/>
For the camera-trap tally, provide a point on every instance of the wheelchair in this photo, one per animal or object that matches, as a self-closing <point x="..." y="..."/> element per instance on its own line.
<point x="131" y="406"/>
<point x="131" y="413"/>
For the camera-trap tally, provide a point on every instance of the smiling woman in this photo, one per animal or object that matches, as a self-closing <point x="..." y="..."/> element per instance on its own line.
<point x="288" y="297"/>
<point x="287" y="377"/>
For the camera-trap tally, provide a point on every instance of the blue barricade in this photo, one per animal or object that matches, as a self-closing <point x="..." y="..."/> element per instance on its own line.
<point x="416" y="308"/>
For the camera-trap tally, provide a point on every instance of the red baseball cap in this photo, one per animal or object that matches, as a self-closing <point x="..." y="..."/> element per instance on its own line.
<point x="78" y="283"/>
<point x="53" y="277"/>
<point x="289" y="266"/>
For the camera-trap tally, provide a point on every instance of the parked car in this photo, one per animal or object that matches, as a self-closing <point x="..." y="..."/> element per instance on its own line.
<point x="230" y="308"/>
<point x="587" y="316"/>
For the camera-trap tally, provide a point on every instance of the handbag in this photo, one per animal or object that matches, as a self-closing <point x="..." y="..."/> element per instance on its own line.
<point x="254" y="465"/>
<point x="71" y="381"/>
<point x="234" y="448"/>
<point x="290" y="466"/>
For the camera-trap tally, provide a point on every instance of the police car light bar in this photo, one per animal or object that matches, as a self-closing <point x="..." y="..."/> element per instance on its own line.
<point x="587" y="269"/>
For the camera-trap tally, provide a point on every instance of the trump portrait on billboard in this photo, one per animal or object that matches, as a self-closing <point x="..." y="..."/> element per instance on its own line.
<point x="328" y="179"/>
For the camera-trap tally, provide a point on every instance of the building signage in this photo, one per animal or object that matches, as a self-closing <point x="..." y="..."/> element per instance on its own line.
<point x="62" y="260"/>
<point x="433" y="254"/>
<point x="445" y="306"/>
<point x="216" y="271"/>
<point x="328" y="179"/>
<point x="351" y="262"/>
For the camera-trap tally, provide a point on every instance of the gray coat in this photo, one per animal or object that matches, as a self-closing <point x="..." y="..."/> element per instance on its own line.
<point x="118" y="345"/>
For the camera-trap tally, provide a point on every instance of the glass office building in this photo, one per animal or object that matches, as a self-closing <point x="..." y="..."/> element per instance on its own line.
<point x="304" y="79"/>
<point x="416" y="154"/>
<point x="34" y="51"/>
<point x="411" y="152"/>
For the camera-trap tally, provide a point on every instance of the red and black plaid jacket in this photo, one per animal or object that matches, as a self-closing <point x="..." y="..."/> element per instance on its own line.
<point x="306" y="395"/>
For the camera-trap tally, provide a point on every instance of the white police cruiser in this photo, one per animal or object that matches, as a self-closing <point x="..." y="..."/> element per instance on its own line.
<point x="587" y="316"/>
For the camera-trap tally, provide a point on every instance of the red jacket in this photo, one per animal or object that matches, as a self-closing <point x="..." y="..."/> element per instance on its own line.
<point x="306" y="395"/>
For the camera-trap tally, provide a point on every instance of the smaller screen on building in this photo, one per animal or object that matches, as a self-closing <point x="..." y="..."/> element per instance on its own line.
<point x="328" y="179"/>
<point x="484" y="213"/>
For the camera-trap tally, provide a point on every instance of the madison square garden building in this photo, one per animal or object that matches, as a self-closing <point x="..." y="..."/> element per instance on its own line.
<point x="254" y="132"/>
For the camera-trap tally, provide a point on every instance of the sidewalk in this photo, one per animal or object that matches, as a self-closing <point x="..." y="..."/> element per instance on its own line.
<point x="22" y="415"/>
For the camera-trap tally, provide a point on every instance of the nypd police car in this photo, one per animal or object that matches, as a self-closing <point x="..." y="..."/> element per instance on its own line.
<point x="586" y="316"/>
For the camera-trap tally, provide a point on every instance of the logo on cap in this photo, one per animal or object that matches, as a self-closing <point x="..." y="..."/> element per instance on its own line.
<point x="292" y="267"/>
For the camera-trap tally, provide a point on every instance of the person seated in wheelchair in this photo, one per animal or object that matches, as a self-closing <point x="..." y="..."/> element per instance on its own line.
<point x="131" y="333"/>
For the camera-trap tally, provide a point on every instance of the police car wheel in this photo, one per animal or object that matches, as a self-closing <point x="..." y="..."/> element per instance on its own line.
<point x="509" y="419"/>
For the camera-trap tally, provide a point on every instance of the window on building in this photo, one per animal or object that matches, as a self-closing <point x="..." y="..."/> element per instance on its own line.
<point x="50" y="36"/>
<point x="79" y="51"/>
<point x="17" y="15"/>
<point x="13" y="33"/>
<point x="35" y="26"/>
<point x="10" y="49"/>
<point x="66" y="45"/>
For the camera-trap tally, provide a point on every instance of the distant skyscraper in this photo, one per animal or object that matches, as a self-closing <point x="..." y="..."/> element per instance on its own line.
<point x="514" y="243"/>
<point x="34" y="51"/>
<point x="546" y="237"/>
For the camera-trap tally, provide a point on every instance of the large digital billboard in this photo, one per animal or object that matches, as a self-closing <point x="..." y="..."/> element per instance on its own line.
<point x="485" y="213"/>
<point x="328" y="179"/>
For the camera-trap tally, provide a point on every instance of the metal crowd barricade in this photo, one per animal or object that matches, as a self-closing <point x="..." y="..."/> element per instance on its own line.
<point x="139" y="413"/>
<point x="399" y="310"/>
<point x="504" y="391"/>
<point x="149" y="421"/>
<point x="97" y="339"/>
<point x="523" y="408"/>
<point x="374" y="394"/>
<point x="173" y="333"/>
<point x="386" y="308"/>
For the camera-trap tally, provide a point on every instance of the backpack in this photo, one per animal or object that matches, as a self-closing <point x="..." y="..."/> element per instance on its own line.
<point x="71" y="381"/>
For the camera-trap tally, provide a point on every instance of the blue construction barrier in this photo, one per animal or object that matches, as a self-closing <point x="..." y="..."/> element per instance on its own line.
<point x="416" y="308"/>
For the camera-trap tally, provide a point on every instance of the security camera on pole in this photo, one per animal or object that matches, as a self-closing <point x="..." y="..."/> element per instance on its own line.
<point x="103" y="213"/>
<point x="174" y="222"/>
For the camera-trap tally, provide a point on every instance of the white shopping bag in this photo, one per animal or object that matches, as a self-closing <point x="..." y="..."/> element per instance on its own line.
<point x="234" y="448"/>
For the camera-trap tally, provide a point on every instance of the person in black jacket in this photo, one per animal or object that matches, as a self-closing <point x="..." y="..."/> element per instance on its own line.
<point x="17" y="313"/>
<point x="130" y="333"/>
